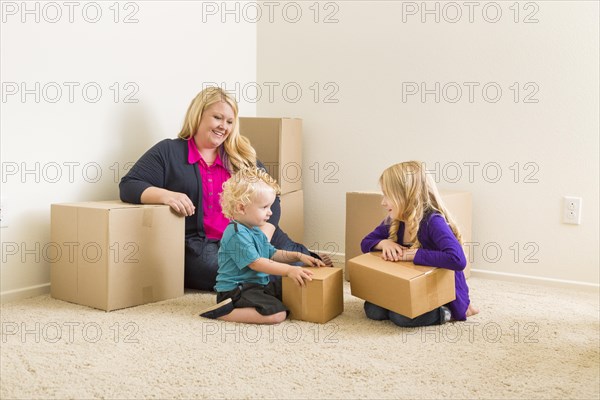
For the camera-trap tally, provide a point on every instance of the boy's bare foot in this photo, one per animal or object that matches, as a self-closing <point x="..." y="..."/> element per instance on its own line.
<point x="472" y="311"/>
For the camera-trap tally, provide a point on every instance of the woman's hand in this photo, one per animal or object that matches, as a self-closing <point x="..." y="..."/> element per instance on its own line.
<point x="179" y="202"/>
<point x="310" y="260"/>
<point x="390" y="250"/>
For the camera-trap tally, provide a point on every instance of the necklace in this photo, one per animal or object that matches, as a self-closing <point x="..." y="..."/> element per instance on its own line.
<point x="209" y="161"/>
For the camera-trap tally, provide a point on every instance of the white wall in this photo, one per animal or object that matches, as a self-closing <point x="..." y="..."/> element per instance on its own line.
<point x="167" y="56"/>
<point x="360" y="61"/>
<point x="375" y="47"/>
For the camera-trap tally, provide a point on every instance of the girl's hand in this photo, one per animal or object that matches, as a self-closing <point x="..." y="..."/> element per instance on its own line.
<point x="299" y="275"/>
<point x="310" y="260"/>
<point x="408" y="254"/>
<point x="179" y="202"/>
<point x="390" y="250"/>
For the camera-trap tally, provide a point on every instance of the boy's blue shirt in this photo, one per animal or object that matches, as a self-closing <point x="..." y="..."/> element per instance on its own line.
<point x="241" y="246"/>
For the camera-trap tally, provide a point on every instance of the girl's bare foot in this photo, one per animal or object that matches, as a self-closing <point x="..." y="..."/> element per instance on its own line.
<point x="472" y="311"/>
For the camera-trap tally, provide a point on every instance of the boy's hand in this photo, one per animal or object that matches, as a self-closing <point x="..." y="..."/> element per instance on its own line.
<point x="310" y="260"/>
<point x="299" y="275"/>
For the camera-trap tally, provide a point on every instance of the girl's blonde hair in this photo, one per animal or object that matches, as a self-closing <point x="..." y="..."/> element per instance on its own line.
<point x="236" y="152"/>
<point x="415" y="195"/>
<point x="242" y="187"/>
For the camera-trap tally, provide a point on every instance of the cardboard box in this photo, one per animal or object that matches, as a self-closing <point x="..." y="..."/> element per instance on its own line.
<point x="364" y="212"/>
<point x="278" y="145"/>
<point x="403" y="287"/>
<point x="112" y="255"/>
<point x="292" y="215"/>
<point x="321" y="300"/>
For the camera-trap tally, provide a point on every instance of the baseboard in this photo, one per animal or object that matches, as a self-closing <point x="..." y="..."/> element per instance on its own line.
<point x="562" y="283"/>
<point x="23" y="293"/>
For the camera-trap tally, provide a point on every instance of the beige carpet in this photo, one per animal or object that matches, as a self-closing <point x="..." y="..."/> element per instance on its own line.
<point x="528" y="342"/>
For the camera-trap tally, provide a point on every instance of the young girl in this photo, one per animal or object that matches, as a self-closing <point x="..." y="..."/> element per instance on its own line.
<point x="418" y="228"/>
<point x="246" y="258"/>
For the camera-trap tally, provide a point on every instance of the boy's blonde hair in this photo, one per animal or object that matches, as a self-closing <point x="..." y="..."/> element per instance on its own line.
<point x="242" y="187"/>
<point x="236" y="151"/>
<point x="415" y="195"/>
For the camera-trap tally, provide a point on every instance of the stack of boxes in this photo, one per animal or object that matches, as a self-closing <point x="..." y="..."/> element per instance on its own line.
<point x="278" y="144"/>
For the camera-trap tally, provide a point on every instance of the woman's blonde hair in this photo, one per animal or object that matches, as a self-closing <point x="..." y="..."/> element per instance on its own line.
<point x="236" y="152"/>
<point x="415" y="195"/>
<point x="242" y="187"/>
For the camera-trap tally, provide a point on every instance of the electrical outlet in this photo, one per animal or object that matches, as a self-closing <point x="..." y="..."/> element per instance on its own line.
<point x="572" y="210"/>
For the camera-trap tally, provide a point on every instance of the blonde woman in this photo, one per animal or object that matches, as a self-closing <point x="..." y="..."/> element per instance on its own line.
<point x="187" y="174"/>
<point x="418" y="228"/>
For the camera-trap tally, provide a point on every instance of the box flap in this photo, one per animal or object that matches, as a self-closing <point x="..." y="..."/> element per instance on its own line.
<point x="322" y="273"/>
<point x="271" y="118"/>
<point x="107" y="205"/>
<point x="401" y="269"/>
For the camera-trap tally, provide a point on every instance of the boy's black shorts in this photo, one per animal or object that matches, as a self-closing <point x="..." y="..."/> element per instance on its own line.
<point x="266" y="299"/>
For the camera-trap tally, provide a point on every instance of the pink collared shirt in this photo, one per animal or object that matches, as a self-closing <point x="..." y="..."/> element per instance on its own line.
<point x="213" y="178"/>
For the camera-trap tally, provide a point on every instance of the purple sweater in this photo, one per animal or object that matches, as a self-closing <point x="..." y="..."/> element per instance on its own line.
<point x="439" y="248"/>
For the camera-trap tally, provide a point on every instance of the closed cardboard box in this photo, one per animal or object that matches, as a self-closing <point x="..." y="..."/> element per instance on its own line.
<point x="111" y="255"/>
<point x="278" y="145"/>
<point x="403" y="287"/>
<point x="364" y="213"/>
<point x="320" y="300"/>
<point x="292" y="215"/>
